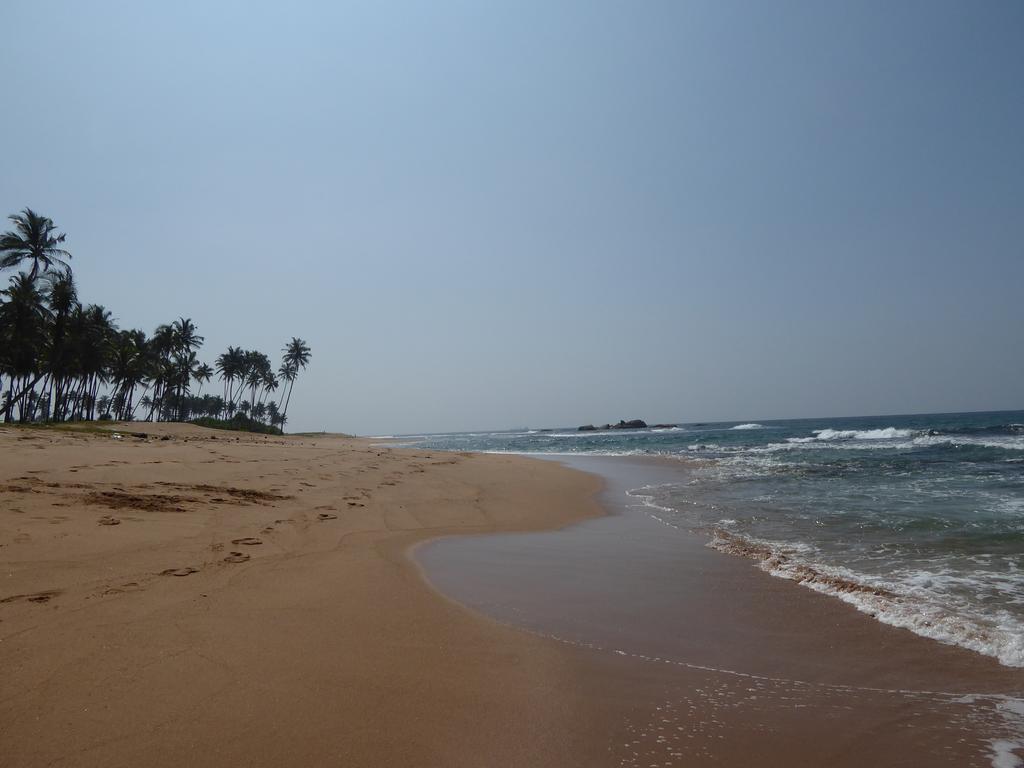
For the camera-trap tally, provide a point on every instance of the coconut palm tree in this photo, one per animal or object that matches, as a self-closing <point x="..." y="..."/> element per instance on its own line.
<point x="33" y="238"/>
<point x="296" y="357"/>
<point x="203" y="373"/>
<point x="182" y="339"/>
<point x="63" y="300"/>
<point x="61" y="360"/>
<point x="230" y="368"/>
<point x="24" y="321"/>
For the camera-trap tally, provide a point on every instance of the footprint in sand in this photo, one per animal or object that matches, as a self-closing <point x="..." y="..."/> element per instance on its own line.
<point x="236" y="557"/>
<point x="179" y="571"/>
<point x="128" y="586"/>
<point x="356" y="504"/>
<point x="35" y="597"/>
<point x="216" y="547"/>
<point x="326" y="516"/>
<point x="267" y="529"/>
<point x="247" y="541"/>
<point x="108" y="520"/>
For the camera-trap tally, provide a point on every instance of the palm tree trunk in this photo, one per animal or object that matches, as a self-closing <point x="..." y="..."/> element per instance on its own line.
<point x="289" y="398"/>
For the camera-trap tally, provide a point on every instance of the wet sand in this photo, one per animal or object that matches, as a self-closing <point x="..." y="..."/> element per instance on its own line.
<point x="750" y="666"/>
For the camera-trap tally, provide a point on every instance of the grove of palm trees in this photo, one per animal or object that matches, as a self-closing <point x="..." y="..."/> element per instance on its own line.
<point x="62" y="360"/>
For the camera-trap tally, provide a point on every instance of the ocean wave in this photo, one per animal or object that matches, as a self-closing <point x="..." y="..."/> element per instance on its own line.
<point x="995" y="429"/>
<point x="832" y="435"/>
<point x="752" y="425"/>
<point x="582" y="452"/>
<point x="1002" y="443"/>
<point x="907" y="605"/>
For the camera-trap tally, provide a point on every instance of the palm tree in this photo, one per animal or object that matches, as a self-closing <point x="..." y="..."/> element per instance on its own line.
<point x="24" y="324"/>
<point x="182" y="340"/>
<point x="130" y="367"/>
<point x="63" y="300"/>
<point x="258" y="374"/>
<point x="203" y="373"/>
<point x="296" y="358"/>
<point x="230" y="366"/>
<point x="185" y="337"/>
<point x="61" y="360"/>
<point x="93" y="331"/>
<point x="33" y="237"/>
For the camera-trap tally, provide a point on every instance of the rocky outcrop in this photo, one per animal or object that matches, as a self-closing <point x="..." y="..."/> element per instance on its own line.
<point x="632" y="424"/>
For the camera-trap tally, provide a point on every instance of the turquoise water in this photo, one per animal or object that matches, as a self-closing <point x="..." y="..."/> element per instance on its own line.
<point x="917" y="520"/>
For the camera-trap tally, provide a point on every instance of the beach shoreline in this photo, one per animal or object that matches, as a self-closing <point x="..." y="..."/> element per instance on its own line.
<point x="141" y="622"/>
<point x="739" y="639"/>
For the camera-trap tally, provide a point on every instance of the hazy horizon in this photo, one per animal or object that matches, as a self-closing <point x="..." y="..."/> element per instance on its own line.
<point x="545" y="215"/>
<point x="682" y="422"/>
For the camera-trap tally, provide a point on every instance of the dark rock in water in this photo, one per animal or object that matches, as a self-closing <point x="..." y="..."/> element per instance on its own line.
<point x="663" y="426"/>
<point x="633" y="424"/>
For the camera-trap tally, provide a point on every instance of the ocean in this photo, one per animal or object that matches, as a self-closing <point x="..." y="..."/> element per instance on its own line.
<point x="916" y="520"/>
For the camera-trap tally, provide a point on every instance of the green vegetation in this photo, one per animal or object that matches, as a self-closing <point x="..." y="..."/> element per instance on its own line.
<point x="64" y="361"/>
<point x="238" y="423"/>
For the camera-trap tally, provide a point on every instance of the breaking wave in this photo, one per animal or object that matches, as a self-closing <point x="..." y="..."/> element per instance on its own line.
<point x="831" y="435"/>
<point x="888" y="602"/>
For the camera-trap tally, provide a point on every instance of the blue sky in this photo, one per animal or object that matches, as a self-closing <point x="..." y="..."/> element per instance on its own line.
<point x="535" y="214"/>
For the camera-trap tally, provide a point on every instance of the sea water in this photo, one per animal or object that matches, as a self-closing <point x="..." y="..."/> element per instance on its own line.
<point x="916" y="520"/>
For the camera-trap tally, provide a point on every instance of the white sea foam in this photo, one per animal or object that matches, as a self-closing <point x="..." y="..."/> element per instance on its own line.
<point x="1007" y="443"/>
<point x="913" y="601"/>
<point x="1004" y="753"/>
<point x="749" y="426"/>
<point x="900" y="439"/>
<point x="831" y="435"/>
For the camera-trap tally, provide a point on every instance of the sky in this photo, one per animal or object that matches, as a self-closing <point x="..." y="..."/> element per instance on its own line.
<point x="507" y="214"/>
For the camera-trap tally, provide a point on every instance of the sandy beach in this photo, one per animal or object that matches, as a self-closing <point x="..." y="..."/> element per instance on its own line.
<point x="191" y="597"/>
<point x="174" y="596"/>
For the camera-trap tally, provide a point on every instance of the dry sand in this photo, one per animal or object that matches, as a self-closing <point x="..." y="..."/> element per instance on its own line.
<point x="197" y="598"/>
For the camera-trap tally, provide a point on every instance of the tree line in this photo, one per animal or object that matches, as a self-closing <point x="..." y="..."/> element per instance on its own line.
<point x="63" y="360"/>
